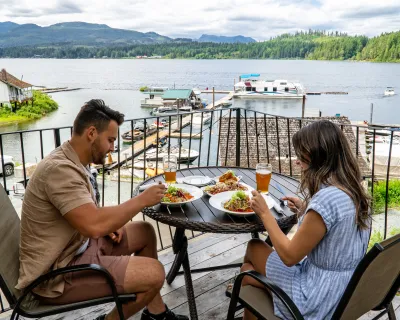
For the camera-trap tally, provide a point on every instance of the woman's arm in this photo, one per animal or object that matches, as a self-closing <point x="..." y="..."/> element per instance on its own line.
<point x="309" y="234"/>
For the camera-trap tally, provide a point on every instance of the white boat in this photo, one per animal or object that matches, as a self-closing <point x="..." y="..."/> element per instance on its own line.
<point x="251" y="86"/>
<point x="389" y="91"/>
<point x="170" y="111"/>
<point x="184" y="156"/>
<point x="197" y="118"/>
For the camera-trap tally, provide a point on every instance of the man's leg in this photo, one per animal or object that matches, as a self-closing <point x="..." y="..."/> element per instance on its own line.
<point x="145" y="277"/>
<point x="141" y="241"/>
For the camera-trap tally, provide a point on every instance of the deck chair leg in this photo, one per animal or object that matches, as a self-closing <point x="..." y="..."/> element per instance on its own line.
<point x="14" y="315"/>
<point x="391" y="313"/>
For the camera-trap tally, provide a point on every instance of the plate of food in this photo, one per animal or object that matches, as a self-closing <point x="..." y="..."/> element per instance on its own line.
<point x="178" y="194"/>
<point x="236" y="202"/>
<point x="197" y="181"/>
<point x="223" y="187"/>
<point x="228" y="176"/>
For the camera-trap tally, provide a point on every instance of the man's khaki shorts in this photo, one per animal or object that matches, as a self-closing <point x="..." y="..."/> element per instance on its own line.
<point x="81" y="286"/>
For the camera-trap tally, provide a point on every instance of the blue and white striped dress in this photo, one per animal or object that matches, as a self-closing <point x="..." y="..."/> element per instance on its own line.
<point x="317" y="283"/>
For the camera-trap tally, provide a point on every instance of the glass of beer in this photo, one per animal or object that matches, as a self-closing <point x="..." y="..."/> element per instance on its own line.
<point x="263" y="176"/>
<point x="170" y="164"/>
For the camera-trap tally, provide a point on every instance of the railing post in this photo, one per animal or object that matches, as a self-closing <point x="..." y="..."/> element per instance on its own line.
<point x="238" y="137"/>
<point x="57" y="138"/>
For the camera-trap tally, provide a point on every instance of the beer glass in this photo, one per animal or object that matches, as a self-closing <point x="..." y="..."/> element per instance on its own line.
<point x="170" y="164"/>
<point x="263" y="176"/>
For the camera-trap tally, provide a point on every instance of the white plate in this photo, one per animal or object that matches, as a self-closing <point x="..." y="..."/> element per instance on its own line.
<point x="194" y="191"/>
<point x="219" y="199"/>
<point x="197" y="181"/>
<point x="249" y="189"/>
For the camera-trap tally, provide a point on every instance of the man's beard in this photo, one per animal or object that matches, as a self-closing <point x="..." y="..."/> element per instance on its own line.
<point x="97" y="156"/>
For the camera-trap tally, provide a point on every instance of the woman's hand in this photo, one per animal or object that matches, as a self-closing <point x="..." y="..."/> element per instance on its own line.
<point x="295" y="204"/>
<point x="258" y="204"/>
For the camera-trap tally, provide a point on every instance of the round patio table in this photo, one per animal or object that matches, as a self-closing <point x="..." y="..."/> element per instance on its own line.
<point x="199" y="215"/>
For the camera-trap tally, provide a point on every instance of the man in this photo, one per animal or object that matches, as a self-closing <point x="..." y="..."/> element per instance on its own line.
<point x="61" y="225"/>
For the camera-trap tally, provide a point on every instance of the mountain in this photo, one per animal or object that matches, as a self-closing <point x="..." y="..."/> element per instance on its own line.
<point x="73" y="33"/>
<point x="7" y="26"/>
<point x="224" y="39"/>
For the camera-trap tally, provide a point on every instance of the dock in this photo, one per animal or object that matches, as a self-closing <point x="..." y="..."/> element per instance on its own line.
<point x="219" y="103"/>
<point x="184" y="135"/>
<point x="216" y="91"/>
<point x="138" y="148"/>
<point x="326" y="92"/>
<point x="53" y="90"/>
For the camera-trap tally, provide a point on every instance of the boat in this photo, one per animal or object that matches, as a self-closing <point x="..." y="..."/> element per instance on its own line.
<point x="184" y="156"/>
<point x="226" y="104"/>
<point x="251" y="86"/>
<point x="389" y="91"/>
<point x="170" y="111"/>
<point x="197" y="118"/>
<point x="137" y="134"/>
<point x="155" y="97"/>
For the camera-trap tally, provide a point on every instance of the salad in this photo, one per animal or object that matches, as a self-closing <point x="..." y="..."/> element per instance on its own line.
<point x="239" y="202"/>
<point x="176" y="195"/>
<point x="222" y="187"/>
<point x="228" y="176"/>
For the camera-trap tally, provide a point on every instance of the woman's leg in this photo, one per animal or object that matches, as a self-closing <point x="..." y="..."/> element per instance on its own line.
<point x="256" y="257"/>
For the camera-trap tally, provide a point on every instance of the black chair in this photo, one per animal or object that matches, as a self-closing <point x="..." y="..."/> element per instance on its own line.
<point x="372" y="287"/>
<point x="24" y="303"/>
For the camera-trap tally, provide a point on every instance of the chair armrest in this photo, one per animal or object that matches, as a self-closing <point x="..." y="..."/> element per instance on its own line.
<point x="289" y="304"/>
<point x="77" y="268"/>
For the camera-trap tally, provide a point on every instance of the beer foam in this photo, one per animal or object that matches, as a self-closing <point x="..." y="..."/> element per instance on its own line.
<point x="263" y="171"/>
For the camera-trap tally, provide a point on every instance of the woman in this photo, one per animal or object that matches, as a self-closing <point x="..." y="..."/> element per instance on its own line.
<point x="315" y="267"/>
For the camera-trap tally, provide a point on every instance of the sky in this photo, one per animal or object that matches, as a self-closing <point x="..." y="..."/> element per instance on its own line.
<point x="260" y="19"/>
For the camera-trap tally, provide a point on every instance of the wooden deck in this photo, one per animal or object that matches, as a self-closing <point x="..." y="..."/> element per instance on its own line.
<point x="204" y="251"/>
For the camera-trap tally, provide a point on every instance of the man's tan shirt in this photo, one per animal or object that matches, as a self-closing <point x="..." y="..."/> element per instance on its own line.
<point x="48" y="242"/>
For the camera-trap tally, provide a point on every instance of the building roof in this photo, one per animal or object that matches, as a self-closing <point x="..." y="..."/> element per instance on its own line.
<point x="13" y="81"/>
<point x="177" y="94"/>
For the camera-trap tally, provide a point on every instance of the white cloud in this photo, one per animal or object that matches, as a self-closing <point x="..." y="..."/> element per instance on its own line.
<point x="182" y="18"/>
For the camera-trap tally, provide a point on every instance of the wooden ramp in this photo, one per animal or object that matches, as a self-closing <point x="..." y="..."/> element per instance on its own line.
<point x="138" y="148"/>
<point x="221" y="101"/>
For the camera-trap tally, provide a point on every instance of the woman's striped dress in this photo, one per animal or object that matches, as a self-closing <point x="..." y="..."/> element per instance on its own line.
<point x="317" y="283"/>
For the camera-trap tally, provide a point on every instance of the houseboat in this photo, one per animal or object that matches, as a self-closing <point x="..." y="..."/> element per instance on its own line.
<point x="155" y="97"/>
<point x="251" y="86"/>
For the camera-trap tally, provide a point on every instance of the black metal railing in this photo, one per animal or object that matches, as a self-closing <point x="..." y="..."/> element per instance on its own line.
<point x="231" y="137"/>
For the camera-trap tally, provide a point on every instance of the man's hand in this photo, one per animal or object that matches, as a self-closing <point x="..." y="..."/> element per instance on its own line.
<point x="117" y="235"/>
<point x="152" y="195"/>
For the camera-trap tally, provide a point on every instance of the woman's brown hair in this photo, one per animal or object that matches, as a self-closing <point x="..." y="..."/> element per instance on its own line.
<point x="324" y="147"/>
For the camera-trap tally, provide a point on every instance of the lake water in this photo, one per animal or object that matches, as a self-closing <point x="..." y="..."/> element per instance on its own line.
<point x="118" y="81"/>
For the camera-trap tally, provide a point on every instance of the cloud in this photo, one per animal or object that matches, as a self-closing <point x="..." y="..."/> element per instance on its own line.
<point x="260" y="19"/>
<point x="63" y="7"/>
<point x="366" y="13"/>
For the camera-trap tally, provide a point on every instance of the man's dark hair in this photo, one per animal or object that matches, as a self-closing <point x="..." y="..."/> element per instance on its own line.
<point x="96" y="113"/>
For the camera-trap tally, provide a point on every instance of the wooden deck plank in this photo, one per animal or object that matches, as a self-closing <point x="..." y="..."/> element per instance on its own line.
<point x="209" y="288"/>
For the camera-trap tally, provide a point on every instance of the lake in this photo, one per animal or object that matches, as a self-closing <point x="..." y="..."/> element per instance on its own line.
<point x="118" y="83"/>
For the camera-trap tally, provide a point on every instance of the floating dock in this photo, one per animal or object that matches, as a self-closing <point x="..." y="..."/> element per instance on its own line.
<point x="326" y="92"/>
<point x="53" y="90"/>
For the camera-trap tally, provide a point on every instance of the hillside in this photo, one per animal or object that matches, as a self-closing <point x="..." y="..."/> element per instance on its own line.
<point x="313" y="45"/>
<point x="224" y="39"/>
<point x="75" y="33"/>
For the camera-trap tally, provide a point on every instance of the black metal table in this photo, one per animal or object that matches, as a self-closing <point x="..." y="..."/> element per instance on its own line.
<point x="200" y="216"/>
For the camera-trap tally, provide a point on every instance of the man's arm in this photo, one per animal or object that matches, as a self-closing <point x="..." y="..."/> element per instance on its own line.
<point x="94" y="222"/>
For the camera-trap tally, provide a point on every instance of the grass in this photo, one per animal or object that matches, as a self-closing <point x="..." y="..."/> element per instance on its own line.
<point x="377" y="236"/>
<point x="379" y="197"/>
<point x="42" y="105"/>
